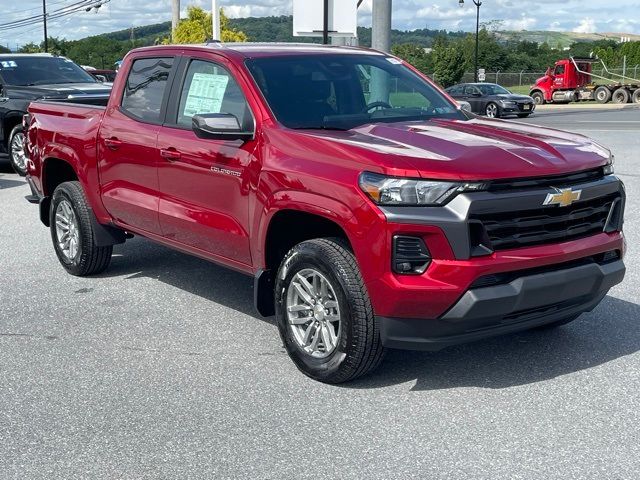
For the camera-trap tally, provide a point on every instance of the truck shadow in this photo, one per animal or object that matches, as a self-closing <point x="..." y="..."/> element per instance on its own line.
<point x="610" y="332"/>
<point x="143" y="258"/>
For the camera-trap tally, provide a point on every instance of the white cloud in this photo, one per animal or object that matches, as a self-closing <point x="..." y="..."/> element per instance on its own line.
<point x="522" y="23"/>
<point x="586" y="25"/>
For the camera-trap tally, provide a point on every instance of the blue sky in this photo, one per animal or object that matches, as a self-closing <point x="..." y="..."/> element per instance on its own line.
<point x="564" y="15"/>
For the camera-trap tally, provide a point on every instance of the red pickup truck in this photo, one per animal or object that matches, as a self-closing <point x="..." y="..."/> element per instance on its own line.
<point x="372" y="212"/>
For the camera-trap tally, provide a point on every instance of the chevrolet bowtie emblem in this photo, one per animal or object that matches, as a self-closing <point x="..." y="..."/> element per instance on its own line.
<point x="563" y="198"/>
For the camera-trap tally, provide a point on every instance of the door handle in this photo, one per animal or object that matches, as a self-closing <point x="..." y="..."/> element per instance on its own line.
<point x="112" y="143"/>
<point x="170" y="154"/>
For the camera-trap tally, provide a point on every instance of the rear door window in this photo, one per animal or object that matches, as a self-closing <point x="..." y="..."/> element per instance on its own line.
<point x="146" y="87"/>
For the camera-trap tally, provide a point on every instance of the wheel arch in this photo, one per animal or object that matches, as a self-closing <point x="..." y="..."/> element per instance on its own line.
<point x="284" y="228"/>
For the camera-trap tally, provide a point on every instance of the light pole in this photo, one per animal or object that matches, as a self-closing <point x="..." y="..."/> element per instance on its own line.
<point x="477" y="3"/>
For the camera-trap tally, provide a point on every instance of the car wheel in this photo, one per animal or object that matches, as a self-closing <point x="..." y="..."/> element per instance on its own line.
<point x="17" y="151"/>
<point x="621" y="95"/>
<point x="72" y="232"/>
<point x="635" y="98"/>
<point x="492" y="110"/>
<point x="324" y="314"/>
<point x="558" y="323"/>
<point x="538" y="98"/>
<point x="602" y="94"/>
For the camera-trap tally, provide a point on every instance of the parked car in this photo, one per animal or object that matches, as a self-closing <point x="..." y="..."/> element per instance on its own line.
<point x="102" y="75"/>
<point x="28" y="77"/>
<point x="399" y="222"/>
<point x="492" y="100"/>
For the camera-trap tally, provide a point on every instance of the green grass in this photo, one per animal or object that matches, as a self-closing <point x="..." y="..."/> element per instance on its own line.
<point x="523" y="90"/>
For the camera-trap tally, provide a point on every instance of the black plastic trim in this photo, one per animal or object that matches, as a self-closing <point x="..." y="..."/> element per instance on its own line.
<point x="524" y="303"/>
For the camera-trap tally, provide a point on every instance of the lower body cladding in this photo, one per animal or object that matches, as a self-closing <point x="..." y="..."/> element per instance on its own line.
<point x="513" y="264"/>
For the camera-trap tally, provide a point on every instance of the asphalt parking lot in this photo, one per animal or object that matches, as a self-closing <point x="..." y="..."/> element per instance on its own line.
<point x="159" y="368"/>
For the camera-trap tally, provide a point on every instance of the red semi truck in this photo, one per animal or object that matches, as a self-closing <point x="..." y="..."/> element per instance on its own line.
<point x="572" y="80"/>
<point x="399" y="222"/>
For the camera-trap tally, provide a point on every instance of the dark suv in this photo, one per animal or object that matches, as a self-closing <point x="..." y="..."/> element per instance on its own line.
<point x="28" y="77"/>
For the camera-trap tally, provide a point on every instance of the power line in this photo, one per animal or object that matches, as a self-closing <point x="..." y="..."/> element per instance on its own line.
<point x="86" y="5"/>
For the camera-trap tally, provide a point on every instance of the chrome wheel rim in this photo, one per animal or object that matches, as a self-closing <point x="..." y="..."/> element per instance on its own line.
<point x="313" y="313"/>
<point x="492" y="111"/>
<point x="17" y="151"/>
<point x="67" y="233"/>
<point x="601" y="95"/>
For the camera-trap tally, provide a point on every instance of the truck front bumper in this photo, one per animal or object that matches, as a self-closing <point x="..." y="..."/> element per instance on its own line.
<point x="525" y="302"/>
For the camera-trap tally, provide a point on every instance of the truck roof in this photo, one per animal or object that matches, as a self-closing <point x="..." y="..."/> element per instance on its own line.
<point x="17" y="55"/>
<point x="253" y="49"/>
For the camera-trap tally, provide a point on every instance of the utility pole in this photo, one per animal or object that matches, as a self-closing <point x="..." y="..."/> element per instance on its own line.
<point x="44" y="20"/>
<point x="478" y="4"/>
<point x="379" y="87"/>
<point x="216" y="34"/>
<point x="381" y="25"/>
<point x="175" y="16"/>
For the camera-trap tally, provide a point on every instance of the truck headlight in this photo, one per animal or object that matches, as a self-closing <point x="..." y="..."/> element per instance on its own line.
<point x="608" y="168"/>
<point x="385" y="190"/>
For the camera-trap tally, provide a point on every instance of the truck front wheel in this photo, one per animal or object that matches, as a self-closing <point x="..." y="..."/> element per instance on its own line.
<point x="72" y="232"/>
<point x="602" y="94"/>
<point x="324" y="314"/>
<point x="17" y="151"/>
<point x="621" y="95"/>
<point x="538" y="98"/>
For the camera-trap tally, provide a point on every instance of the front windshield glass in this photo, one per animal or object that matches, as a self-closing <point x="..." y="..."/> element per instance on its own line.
<point x="492" y="89"/>
<point x="36" y="70"/>
<point x="344" y="91"/>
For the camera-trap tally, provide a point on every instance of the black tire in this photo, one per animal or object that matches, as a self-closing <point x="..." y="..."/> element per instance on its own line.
<point x="635" y="98"/>
<point x="89" y="259"/>
<point x="358" y="348"/>
<point x="16" y="148"/>
<point x="523" y="115"/>
<point x="558" y="323"/>
<point x="621" y="95"/>
<point x="538" y="98"/>
<point x="602" y="95"/>
<point x="491" y="108"/>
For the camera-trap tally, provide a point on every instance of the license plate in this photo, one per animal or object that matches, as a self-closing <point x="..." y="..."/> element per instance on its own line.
<point x="526" y="107"/>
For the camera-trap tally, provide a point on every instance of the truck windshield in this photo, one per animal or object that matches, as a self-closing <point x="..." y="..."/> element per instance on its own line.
<point x="36" y="70"/>
<point x="344" y="91"/>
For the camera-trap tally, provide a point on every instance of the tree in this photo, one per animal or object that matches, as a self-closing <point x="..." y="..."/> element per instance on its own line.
<point x="198" y="28"/>
<point x="413" y="54"/>
<point x="30" y="48"/>
<point x="448" y="63"/>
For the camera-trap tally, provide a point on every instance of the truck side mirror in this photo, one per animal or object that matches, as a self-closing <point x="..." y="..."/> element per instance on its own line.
<point x="219" y="126"/>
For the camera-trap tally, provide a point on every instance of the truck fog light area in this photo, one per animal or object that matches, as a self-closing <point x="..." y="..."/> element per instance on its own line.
<point x="410" y="255"/>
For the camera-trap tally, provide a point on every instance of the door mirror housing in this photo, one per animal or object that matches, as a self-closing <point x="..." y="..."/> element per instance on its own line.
<point x="219" y="126"/>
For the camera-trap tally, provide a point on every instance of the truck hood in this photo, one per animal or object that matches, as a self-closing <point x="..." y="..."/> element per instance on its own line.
<point x="58" y="90"/>
<point x="477" y="149"/>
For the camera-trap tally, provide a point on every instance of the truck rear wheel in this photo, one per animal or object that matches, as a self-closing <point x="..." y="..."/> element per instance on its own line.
<point x="635" y="98"/>
<point x="72" y="232"/>
<point x="602" y="95"/>
<point x="324" y="314"/>
<point x="621" y="95"/>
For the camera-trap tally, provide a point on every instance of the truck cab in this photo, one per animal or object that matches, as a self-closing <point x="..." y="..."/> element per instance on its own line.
<point x="561" y="81"/>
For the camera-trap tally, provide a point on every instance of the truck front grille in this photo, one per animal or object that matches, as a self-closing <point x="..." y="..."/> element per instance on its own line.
<point x="546" y="224"/>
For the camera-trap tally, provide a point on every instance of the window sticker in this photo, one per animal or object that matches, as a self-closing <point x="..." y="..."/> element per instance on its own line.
<point x="205" y="94"/>
<point x="8" y="64"/>
<point x="395" y="61"/>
